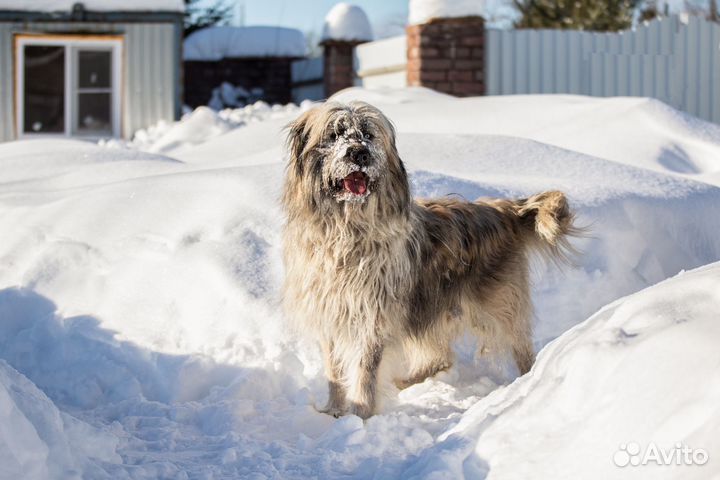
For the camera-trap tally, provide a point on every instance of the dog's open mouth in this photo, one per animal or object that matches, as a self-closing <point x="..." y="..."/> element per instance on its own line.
<point x="355" y="183"/>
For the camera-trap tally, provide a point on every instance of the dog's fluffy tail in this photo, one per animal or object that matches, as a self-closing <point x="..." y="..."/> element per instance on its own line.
<point x="549" y="217"/>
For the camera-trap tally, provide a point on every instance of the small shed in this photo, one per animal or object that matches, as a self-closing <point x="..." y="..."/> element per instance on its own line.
<point x="88" y="68"/>
<point x="228" y="66"/>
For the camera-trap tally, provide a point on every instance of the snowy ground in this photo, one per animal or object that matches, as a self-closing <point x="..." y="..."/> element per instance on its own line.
<point x="140" y="335"/>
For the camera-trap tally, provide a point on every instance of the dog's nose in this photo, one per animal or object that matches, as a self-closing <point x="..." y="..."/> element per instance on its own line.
<point x="360" y="156"/>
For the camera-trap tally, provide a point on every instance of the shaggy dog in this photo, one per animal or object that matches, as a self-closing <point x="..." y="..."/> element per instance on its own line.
<point x="386" y="283"/>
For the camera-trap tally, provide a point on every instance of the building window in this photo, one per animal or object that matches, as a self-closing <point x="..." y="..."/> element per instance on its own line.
<point x="68" y="85"/>
<point x="44" y="89"/>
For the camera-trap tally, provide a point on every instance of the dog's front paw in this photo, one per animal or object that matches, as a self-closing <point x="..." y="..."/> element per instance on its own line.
<point x="361" y="410"/>
<point x="333" y="410"/>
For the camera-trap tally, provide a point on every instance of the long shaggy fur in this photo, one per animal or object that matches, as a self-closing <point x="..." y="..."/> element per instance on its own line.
<point x="385" y="283"/>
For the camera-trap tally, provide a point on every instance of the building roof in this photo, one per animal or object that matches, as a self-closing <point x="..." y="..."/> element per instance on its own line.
<point x="215" y="43"/>
<point x="94" y="5"/>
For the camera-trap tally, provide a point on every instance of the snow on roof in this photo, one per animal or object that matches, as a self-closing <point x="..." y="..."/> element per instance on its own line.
<point x="233" y="42"/>
<point x="422" y="11"/>
<point x="347" y="22"/>
<point x="94" y="5"/>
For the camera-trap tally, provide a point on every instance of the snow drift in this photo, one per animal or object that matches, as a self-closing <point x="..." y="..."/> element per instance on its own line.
<point x="138" y="301"/>
<point x="652" y="354"/>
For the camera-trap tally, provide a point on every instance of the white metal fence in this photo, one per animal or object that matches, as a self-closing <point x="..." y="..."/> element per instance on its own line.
<point x="672" y="60"/>
<point x="382" y="63"/>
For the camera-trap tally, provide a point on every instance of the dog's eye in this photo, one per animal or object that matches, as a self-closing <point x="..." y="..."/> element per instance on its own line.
<point x="368" y="136"/>
<point x="335" y="134"/>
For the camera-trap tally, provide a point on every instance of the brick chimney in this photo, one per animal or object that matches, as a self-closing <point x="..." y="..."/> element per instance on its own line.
<point x="338" y="69"/>
<point x="345" y="27"/>
<point x="448" y="55"/>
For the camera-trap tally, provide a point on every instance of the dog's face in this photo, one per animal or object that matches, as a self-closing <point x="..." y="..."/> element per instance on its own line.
<point x="343" y="154"/>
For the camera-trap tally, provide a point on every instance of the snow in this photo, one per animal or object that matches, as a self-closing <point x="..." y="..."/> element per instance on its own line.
<point x="140" y="333"/>
<point x="216" y="43"/>
<point x="346" y="22"/>
<point x="37" y="441"/>
<point x="94" y="5"/>
<point x="642" y="370"/>
<point x="228" y="95"/>
<point x="203" y="124"/>
<point x="422" y="11"/>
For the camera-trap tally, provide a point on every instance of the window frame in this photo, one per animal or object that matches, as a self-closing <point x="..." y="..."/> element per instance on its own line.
<point x="72" y="45"/>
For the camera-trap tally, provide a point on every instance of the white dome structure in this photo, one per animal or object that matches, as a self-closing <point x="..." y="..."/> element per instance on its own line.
<point x="346" y="22"/>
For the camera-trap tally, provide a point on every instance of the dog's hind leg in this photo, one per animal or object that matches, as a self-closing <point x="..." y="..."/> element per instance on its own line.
<point x="523" y="354"/>
<point x="505" y="322"/>
<point x="333" y="371"/>
<point x="516" y="330"/>
<point x="516" y="333"/>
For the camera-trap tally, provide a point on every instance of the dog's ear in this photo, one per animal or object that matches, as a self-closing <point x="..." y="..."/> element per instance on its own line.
<point x="298" y="132"/>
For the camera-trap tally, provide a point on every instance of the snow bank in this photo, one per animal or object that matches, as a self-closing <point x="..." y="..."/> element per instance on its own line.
<point x="37" y="441"/>
<point x="639" y="375"/>
<point x="94" y="5"/>
<point x="347" y="22"/>
<point x="204" y="124"/>
<point x="422" y="11"/>
<point x="216" y="43"/>
<point x="139" y="294"/>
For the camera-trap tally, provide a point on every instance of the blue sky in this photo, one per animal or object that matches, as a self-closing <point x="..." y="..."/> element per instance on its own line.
<point x="307" y="15"/>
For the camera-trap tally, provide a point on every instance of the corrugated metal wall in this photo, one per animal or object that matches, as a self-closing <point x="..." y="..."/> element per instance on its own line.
<point x="671" y="60"/>
<point x="7" y="128"/>
<point x="151" y="76"/>
<point x="152" y="90"/>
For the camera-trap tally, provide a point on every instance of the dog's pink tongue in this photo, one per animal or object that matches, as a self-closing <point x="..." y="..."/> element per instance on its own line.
<point x="355" y="183"/>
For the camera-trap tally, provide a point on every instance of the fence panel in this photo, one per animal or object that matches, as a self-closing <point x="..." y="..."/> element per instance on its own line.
<point x="672" y="60"/>
<point x="382" y="63"/>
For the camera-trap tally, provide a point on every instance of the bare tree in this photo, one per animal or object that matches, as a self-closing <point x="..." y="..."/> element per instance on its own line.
<point x="392" y="26"/>
<point x="312" y="44"/>
<point x="713" y="15"/>
<point x="197" y="18"/>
